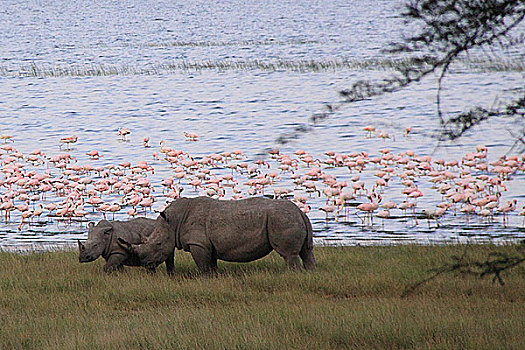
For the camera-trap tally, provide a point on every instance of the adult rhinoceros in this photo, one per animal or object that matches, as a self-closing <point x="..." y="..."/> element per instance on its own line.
<point x="239" y="231"/>
<point x="102" y="240"/>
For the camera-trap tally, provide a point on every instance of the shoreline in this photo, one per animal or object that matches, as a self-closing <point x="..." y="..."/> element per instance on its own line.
<point x="68" y="247"/>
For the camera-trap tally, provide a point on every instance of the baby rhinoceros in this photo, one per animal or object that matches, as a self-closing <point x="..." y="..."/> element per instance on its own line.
<point x="102" y="240"/>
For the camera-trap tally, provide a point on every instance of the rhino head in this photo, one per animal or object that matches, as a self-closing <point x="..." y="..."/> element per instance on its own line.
<point x="157" y="248"/>
<point x="98" y="240"/>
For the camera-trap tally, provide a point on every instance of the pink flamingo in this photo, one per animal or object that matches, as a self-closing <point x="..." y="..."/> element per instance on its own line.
<point x="369" y="208"/>
<point x="67" y="141"/>
<point x="328" y="209"/>
<point x="383" y="214"/>
<point x="123" y="132"/>
<point x="113" y="208"/>
<point x="190" y="136"/>
<point x="146" y="202"/>
<point x="8" y="206"/>
<point x="510" y="206"/>
<point x="26" y="214"/>
<point x="94" y="155"/>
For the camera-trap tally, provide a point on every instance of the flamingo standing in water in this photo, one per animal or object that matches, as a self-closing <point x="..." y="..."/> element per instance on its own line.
<point x="507" y="208"/>
<point x="434" y="214"/>
<point x="26" y="214"/>
<point x="113" y="208"/>
<point x="369" y="129"/>
<point x="383" y="214"/>
<point x="191" y="136"/>
<point x="94" y="155"/>
<point x="6" y="138"/>
<point x="67" y="141"/>
<point x="328" y="209"/>
<point x="146" y="202"/>
<point x="123" y="132"/>
<point x="369" y="208"/>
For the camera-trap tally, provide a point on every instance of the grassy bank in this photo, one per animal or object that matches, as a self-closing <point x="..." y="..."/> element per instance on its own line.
<point x="50" y="301"/>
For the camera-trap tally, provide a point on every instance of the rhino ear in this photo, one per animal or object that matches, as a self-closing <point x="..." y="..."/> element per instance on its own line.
<point x="125" y="245"/>
<point x="163" y="215"/>
<point x="91" y="224"/>
<point x="106" y="226"/>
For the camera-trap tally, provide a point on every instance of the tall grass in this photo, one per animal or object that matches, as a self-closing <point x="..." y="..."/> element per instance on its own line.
<point x="50" y="301"/>
<point x="302" y="66"/>
<point x="234" y="43"/>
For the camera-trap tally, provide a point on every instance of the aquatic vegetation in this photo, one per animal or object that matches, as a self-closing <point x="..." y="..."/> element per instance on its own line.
<point x="303" y="66"/>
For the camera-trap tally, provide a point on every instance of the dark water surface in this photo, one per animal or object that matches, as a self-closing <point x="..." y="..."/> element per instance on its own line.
<point x="238" y="74"/>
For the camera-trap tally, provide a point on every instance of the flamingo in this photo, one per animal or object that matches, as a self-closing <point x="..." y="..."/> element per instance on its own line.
<point x="80" y="213"/>
<point x="369" y="208"/>
<point x="6" y="138"/>
<point x="486" y="213"/>
<point x="62" y="212"/>
<point x="113" y="208"/>
<point x="328" y="209"/>
<point x="434" y="214"/>
<point x="369" y="129"/>
<point x="94" y="154"/>
<point x="146" y="202"/>
<point x="38" y="211"/>
<point x="103" y="208"/>
<point x="123" y="132"/>
<point x="26" y="214"/>
<point x="468" y="209"/>
<point x="67" y="141"/>
<point x="510" y="206"/>
<point x="8" y="206"/>
<point x="50" y="207"/>
<point x="191" y="136"/>
<point x="383" y="214"/>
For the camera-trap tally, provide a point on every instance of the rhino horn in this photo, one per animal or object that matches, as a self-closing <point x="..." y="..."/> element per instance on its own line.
<point x="81" y="246"/>
<point x="125" y="245"/>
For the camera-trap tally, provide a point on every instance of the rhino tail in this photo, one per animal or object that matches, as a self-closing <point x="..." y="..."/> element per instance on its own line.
<point x="307" y="250"/>
<point x="309" y="241"/>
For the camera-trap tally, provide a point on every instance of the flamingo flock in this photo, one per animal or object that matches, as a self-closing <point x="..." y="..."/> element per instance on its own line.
<point x="47" y="188"/>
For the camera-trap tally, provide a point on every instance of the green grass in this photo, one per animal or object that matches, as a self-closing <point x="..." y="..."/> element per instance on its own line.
<point x="50" y="301"/>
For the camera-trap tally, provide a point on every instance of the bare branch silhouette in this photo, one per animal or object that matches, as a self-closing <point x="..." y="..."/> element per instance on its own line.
<point x="494" y="265"/>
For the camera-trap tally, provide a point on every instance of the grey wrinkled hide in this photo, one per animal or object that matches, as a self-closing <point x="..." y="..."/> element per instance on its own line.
<point x="239" y="231"/>
<point x="102" y="241"/>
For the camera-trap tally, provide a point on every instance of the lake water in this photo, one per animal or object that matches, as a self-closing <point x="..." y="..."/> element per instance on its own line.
<point x="239" y="74"/>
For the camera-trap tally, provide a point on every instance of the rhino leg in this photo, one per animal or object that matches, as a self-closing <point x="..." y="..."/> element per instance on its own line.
<point x="170" y="263"/>
<point x="293" y="262"/>
<point x="205" y="259"/>
<point x="307" y="255"/>
<point x="114" y="263"/>
<point x="288" y="250"/>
